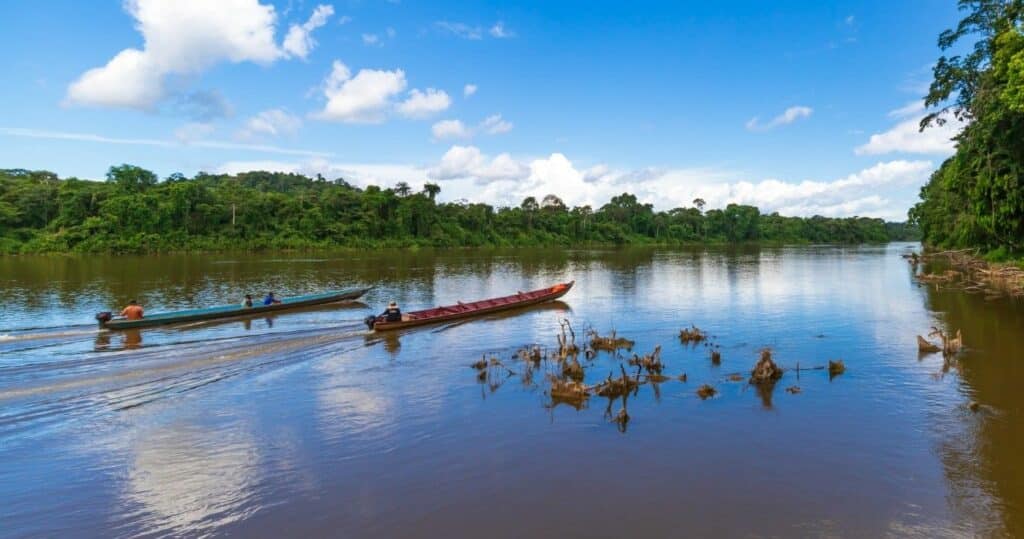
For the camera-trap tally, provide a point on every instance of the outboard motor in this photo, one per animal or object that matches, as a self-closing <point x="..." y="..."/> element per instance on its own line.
<point x="104" y="317"/>
<point x="370" y="321"/>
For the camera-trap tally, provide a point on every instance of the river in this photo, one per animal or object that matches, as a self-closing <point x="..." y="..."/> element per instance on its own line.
<point x="305" y="424"/>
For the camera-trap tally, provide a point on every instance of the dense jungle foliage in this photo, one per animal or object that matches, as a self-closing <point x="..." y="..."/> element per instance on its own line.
<point x="976" y="198"/>
<point x="133" y="212"/>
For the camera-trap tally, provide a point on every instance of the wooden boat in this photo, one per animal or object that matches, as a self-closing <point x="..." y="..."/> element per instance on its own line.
<point x="106" y="321"/>
<point x="467" y="310"/>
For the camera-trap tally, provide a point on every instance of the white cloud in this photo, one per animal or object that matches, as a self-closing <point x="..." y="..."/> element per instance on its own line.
<point x="299" y="42"/>
<point x="468" y="90"/>
<point x="364" y="98"/>
<point x="273" y="122"/>
<point x="184" y="37"/>
<point x="884" y="190"/>
<point x="849" y="20"/>
<point x="499" y="31"/>
<point x="371" y="39"/>
<point x="495" y="125"/>
<point x="359" y="174"/>
<point x="423" y="104"/>
<point x="467" y="162"/>
<point x="193" y="131"/>
<point x="344" y="19"/>
<point x="449" y="129"/>
<point x="390" y="32"/>
<point x="907" y="137"/>
<point x="215" y="144"/>
<point x="460" y="29"/>
<point x="789" y="116"/>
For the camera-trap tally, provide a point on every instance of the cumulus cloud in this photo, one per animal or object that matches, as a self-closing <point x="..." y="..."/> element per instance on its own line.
<point x="371" y="39"/>
<point x="468" y="90"/>
<point x="203" y="106"/>
<point x="789" y="116"/>
<point x="364" y="98"/>
<point x="883" y="190"/>
<point x="423" y="104"/>
<point x="273" y="122"/>
<point x="907" y="137"/>
<point x="449" y="129"/>
<point x="467" y="162"/>
<point x="184" y="38"/>
<point x="299" y="41"/>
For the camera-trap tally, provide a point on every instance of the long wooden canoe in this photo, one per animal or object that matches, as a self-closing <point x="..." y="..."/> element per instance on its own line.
<point x="466" y="310"/>
<point x="231" y="311"/>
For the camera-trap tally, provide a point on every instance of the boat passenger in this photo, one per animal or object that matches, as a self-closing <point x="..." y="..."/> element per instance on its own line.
<point x="133" y="311"/>
<point x="392" y="313"/>
<point x="248" y="301"/>
<point x="270" y="299"/>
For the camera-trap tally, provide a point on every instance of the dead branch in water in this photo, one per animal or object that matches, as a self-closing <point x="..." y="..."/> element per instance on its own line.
<point x="716" y="357"/>
<point x="950" y="345"/>
<point x="926" y="347"/>
<point x="705" y="392"/>
<point x="651" y="362"/>
<point x="692" y="334"/>
<point x="617" y="387"/>
<point x="835" y="368"/>
<point x="567" y="340"/>
<point x="569" y="392"/>
<point x="765" y="370"/>
<point x="611" y="343"/>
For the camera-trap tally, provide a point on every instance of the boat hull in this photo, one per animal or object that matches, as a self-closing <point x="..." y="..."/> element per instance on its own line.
<point x="234" y="311"/>
<point x="478" y="308"/>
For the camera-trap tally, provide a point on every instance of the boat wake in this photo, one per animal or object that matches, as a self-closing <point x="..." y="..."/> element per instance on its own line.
<point x="79" y="378"/>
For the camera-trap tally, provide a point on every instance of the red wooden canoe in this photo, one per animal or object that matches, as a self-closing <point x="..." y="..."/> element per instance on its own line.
<point x="477" y="308"/>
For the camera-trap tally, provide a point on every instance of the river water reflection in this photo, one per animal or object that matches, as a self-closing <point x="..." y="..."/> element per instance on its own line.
<point x="305" y="424"/>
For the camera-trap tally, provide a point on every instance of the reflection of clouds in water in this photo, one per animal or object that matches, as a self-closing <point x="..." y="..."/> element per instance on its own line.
<point x="190" y="480"/>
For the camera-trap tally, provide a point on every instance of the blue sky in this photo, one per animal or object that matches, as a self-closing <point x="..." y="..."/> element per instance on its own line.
<point x="797" y="107"/>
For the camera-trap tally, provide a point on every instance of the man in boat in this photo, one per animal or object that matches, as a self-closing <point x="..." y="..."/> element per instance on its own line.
<point x="247" y="302"/>
<point x="392" y="313"/>
<point x="270" y="299"/>
<point x="133" y="311"/>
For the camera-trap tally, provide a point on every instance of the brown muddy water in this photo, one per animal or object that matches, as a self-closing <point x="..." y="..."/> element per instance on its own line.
<point x="303" y="424"/>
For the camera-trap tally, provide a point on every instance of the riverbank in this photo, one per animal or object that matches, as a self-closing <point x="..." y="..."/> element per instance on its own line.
<point x="967" y="270"/>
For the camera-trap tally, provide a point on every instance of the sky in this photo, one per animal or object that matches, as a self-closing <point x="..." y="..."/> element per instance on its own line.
<point x="800" y="107"/>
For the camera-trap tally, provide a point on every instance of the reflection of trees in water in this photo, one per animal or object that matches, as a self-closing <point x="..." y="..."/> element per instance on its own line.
<point x="188" y="479"/>
<point x="983" y="454"/>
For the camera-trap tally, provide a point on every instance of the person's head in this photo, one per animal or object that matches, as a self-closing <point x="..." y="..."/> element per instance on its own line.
<point x="133" y="302"/>
<point x="248" y="296"/>
<point x="393" y="305"/>
<point x="270" y="294"/>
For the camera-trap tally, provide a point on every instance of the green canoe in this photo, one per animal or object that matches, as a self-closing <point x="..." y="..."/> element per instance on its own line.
<point x="229" y="311"/>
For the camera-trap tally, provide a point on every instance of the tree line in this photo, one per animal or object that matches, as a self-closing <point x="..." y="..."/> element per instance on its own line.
<point x="133" y="212"/>
<point x="976" y="197"/>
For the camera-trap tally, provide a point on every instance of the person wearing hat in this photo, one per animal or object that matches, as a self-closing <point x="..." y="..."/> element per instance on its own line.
<point x="392" y="313"/>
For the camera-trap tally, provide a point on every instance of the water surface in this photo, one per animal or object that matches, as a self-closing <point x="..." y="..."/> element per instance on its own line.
<point x="305" y="424"/>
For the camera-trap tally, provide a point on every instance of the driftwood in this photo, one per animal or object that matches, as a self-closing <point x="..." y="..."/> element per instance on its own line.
<point x="950" y="345"/>
<point x="926" y="347"/>
<point x="705" y="392"/>
<point x="835" y="368"/>
<point x="611" y="343"/>
<point x="692" y="334"/>
<point x="765" y="370"/>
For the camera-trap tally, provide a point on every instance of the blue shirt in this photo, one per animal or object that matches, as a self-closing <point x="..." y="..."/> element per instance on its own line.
<point x="268" y="300"/>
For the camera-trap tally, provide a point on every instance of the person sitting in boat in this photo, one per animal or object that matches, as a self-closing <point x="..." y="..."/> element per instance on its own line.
<point x="270" y="299"/>
<point x="247" y="302"/>
<point x="133" y="311"/>
<point x="392" y="313"/>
